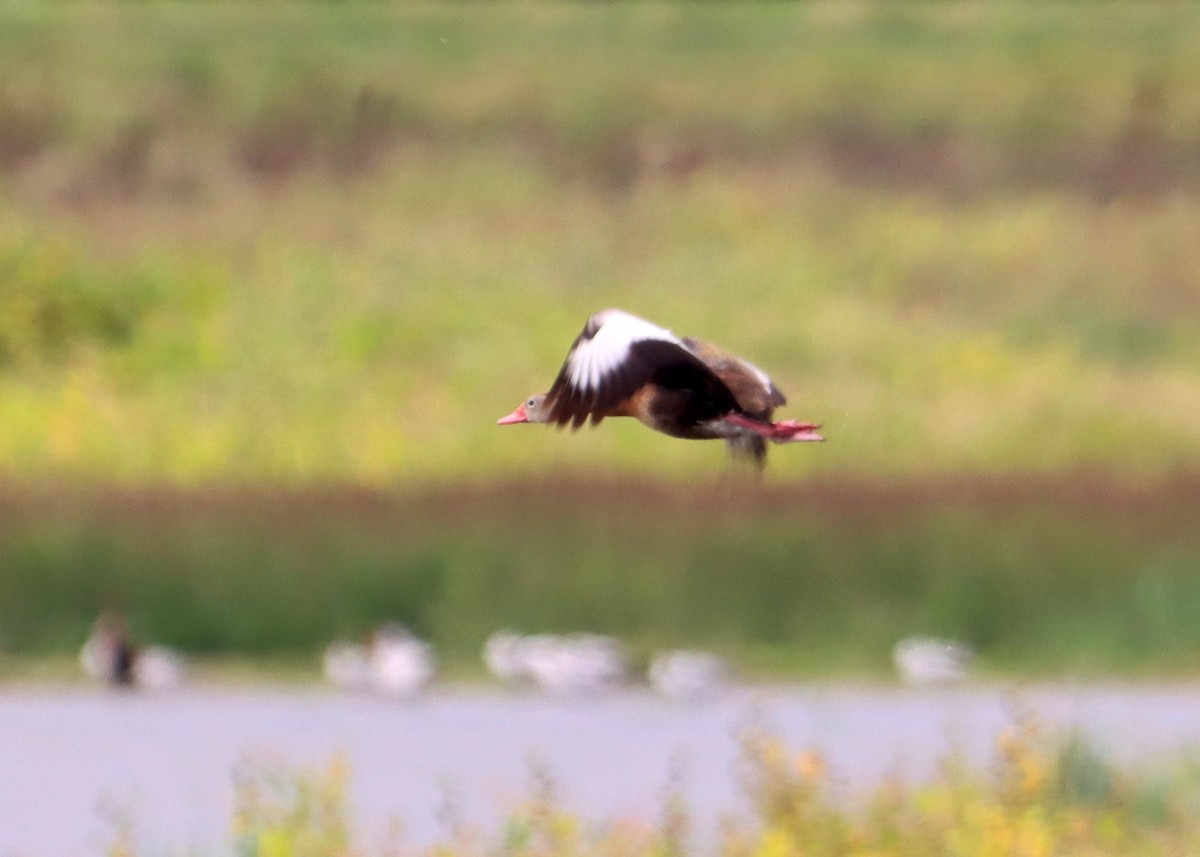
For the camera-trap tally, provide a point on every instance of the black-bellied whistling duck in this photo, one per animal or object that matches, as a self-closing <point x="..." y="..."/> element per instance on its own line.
<point x="624" y="366"/>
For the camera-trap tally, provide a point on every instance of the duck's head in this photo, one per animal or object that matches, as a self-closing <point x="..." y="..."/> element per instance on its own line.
<point x="535" y="409"/>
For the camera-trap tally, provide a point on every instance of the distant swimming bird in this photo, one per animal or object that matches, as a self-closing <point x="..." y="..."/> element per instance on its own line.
<point x="927" y="661"/>
<point x="399" y="664"/>
<point x="394" y="662"/>
<point x="504" y="656"/>
<point x="346" y="666"/>
<point x="158" y="668"/>
<point x="624" y="366"/>
<point x="687" y="676"/>
<point x="110" y="657"/>
<point x="558" y="664"/>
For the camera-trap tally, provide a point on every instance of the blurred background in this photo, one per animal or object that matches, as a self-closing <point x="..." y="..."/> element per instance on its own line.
<point x="269" y="274"/>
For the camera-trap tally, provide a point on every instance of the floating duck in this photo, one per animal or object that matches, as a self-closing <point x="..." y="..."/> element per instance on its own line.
<point x="110" y="657"/>
<point x="504" y="655"/>
<point x="346" y="666"/>
<point x="685" y="676"/>
<point x="394" y="662"/>
<point x="625" y="366"/>
<point x="927" y="661"/>
<point x="158" y="668"/>
<point x="399" y="663"/>
<point x="557" y="664"/>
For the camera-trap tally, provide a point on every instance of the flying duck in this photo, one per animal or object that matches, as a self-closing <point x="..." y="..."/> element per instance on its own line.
<point x="625" y="366"/>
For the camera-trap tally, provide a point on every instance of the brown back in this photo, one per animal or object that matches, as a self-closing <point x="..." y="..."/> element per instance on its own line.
<point x="753" y="396"/>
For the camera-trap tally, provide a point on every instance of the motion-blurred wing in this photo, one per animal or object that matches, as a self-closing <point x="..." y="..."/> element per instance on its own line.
<point x="615" y="355"/>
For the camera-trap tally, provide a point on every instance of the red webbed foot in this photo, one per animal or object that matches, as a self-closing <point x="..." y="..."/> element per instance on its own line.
<point x="790" y="431"/>
<point x="785" y="431"/>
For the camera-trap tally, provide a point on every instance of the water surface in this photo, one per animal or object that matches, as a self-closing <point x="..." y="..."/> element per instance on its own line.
<point x="72" y="760"/>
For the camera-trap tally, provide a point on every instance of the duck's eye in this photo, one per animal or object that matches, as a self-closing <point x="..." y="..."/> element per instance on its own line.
<point x="531" y="403"/>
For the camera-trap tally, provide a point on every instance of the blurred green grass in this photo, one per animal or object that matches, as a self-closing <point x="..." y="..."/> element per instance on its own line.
<point x="320" y="242"/>
<point x="261" y="251"/>
<point x="1072" y="576"/>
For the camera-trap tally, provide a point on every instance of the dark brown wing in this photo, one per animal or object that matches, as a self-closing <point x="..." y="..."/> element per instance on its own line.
<point x="616" y="355"/>
<point x="756" y="394"/>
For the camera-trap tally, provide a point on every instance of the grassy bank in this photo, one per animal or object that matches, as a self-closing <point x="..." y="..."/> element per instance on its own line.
<point x="1082" y="575"/>
<point x="332" y="242"/>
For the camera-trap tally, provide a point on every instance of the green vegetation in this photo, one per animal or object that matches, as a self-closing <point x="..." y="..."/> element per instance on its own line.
<point x="1076" y="576"/>
<point x="332" y="242"/>
<point x="1039" y="798"/>
<point x="248" y="250"/>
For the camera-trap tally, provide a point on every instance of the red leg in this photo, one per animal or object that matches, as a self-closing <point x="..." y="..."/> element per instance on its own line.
<point x="767" y="430"/>
<point x="795" y="426"/>
<point x="791" y="431"/>
<point x="786" y="431"/>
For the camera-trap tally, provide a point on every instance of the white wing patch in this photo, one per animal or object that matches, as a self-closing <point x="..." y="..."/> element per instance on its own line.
<point x="594" y="359"/>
